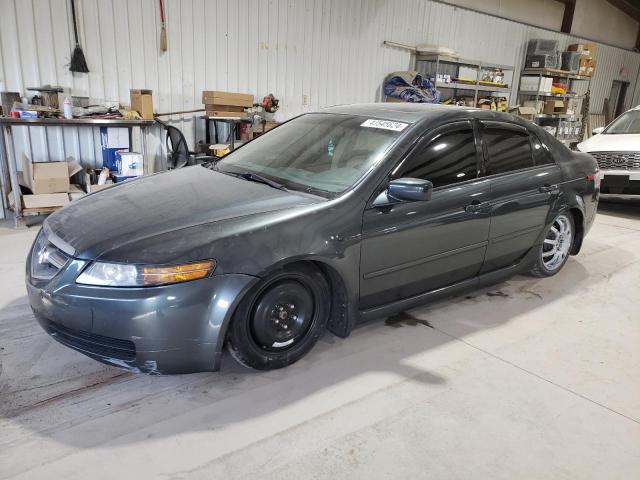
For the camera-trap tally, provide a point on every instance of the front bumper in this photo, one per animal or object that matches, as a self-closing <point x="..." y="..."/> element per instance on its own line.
<point x="176" y="328"/>
<point x="619" y="182"/>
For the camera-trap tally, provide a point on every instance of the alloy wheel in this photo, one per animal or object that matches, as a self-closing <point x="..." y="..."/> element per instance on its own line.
<point x="557" y="243"/>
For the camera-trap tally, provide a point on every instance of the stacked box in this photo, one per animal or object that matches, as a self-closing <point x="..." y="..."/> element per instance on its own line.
<point x="542" y="46"/>
<point x="570" y="61"/>
<point x="553" y="107"/>
<point x="226" y="104"/>
<point x="587" y="57"/>
<point x="536" y="84"/>
<point x="142" y="102"/>
<point x="586" y="49"/>
<point x="542" y="61"/>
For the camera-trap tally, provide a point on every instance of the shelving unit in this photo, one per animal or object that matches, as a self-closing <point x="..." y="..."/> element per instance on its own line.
<point x="432" y="65"/>
<point x="546" y="119"/>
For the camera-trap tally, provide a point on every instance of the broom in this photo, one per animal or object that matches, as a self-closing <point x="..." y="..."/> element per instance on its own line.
<point x="163" y="32"/>
<point x="78" y="63"/>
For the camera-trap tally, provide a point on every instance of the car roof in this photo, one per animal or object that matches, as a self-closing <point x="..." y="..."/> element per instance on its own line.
<point x="419" y="112"/>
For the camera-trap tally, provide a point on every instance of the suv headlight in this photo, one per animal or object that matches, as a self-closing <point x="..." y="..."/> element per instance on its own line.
<point x="127" y="275"/>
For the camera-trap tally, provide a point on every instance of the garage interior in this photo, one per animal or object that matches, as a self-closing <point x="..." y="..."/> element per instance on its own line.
<point x="527" y="378"/>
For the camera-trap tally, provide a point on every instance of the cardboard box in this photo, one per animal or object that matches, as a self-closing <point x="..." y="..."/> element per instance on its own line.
<point x="585" y="49"/>
<point x="112" y="141"/>
<point x="219" y="149"/>
<point x="587" y="66"/>
<point x="214" y="97"/>
<point x="92" y="188"/>
<point x="75" y="192"/>
<point x="524" y="112"/>
<point x="269" y="125"/>
<point x="228" y="108"/>
<point x="225" y="113"/>
<point x="142" y="102"/>
<point x="47" y="177"/>
<point x="554" y="106"/>
<point x="537" y="105"/>
<point x="45" y="200"/>
<point x="484" y="104"/>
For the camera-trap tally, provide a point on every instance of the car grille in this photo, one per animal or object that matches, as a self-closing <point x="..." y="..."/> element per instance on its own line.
<point x="90" y="342"/>
<point x="46" y="258"/>
<point x="617" y="160"/>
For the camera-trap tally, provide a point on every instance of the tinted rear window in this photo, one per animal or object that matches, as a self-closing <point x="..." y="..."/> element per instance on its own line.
<point x="541" y="155"/>
<point x="508" y="150"/>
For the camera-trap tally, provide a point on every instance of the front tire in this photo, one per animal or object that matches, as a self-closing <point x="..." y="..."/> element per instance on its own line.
<point x="281" y="319"/>
<point x="556" y="246"/>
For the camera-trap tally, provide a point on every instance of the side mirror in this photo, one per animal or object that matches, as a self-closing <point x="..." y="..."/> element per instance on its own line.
<point x="596" y="131"/>
<point x="410" y="189"/>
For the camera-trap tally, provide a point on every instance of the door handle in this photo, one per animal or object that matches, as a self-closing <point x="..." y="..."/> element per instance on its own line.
<point x="546" y="188"/>
<point x="475" y="206"/>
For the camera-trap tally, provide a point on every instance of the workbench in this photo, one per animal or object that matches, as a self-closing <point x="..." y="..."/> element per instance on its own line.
<point x="233" y="123"/>
<point x="7" y="148"/>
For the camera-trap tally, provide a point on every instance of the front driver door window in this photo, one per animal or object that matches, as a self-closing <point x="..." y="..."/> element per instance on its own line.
<point x="449" y="158"/>
<point x="413" y="247"/>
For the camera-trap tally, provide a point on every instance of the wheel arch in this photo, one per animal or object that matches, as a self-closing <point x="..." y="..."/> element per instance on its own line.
<point x="578" y="224"/>
<point x="342" y="312"/>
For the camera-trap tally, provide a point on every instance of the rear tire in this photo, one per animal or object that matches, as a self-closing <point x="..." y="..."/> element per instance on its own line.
<point x="281" y="318"/>
<point x="555" y="248"/>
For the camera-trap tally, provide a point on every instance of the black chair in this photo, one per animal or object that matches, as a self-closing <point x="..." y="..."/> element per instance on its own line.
<point x="178" y="154"/>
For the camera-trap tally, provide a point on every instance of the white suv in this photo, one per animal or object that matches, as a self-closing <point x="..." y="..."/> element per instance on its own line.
<point x="617" y="150"/>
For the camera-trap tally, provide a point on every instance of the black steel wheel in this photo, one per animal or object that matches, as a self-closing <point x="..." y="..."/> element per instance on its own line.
<point x="281" y="319"/>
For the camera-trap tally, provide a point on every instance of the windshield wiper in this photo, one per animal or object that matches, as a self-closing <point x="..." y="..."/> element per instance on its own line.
<point x="254" y="177"/>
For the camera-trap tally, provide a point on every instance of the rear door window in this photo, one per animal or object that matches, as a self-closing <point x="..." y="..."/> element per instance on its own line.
<point x="541" y="155"/>
<point x="507" y="148"/>
<point x="448" y="158"/>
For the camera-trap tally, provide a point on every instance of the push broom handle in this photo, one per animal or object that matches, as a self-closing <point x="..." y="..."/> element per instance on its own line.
<point x="75" y="27"/>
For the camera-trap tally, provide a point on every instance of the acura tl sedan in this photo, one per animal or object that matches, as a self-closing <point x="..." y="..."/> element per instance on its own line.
<point x="335" y="217"/>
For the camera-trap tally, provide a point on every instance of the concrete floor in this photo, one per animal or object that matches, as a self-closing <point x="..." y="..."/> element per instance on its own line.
<point x="527" y="379"/>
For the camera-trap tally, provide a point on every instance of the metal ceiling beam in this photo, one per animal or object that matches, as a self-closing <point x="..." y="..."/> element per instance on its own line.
<point x="629" y="7"/>
<point x="567" y="18"/>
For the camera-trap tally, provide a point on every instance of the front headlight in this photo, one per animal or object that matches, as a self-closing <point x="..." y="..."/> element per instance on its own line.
<point x="125" y="275"/>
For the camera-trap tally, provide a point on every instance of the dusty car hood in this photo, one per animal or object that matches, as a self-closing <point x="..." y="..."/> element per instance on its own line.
<point x="611" y="143"/>
<point x="155" y="205"/>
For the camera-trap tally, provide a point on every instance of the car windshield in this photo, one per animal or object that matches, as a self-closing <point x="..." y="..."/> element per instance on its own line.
<point x="319" y="153"/>
<point x="628" y="122"/>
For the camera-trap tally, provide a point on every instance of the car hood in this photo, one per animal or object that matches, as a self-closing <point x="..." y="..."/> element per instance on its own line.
<point x="162" y="203"/>
<point x="611" y="143"/>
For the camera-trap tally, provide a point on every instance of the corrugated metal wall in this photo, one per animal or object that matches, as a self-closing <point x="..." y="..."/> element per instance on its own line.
<point x="309" y="53"/>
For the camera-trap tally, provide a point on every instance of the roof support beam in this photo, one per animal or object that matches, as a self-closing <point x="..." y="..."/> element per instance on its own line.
<point x="630" y="7"/>
<point x="567" y="18"/>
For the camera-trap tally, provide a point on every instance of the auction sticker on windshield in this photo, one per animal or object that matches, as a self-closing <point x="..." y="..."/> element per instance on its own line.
<point x="385" y="124"/>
